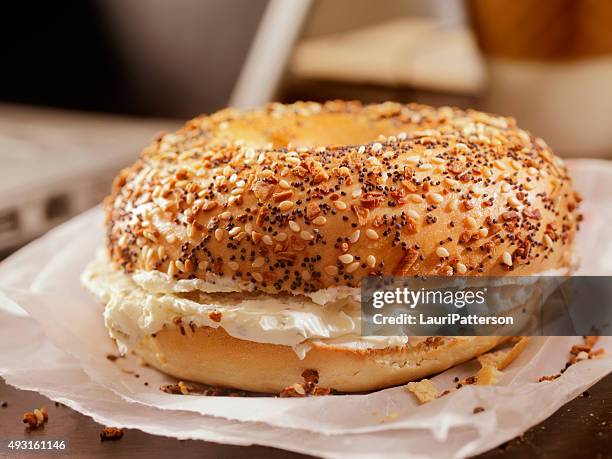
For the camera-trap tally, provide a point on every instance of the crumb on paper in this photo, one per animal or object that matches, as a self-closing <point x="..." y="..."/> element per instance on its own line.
<point x="502" y="358"/>
<point x="392" y="416"/>
<point x="34" y="419"/>
<point x="308" y="387"/>
<point x="578" y="353"/>
<point x="215" y="316"/>
<point x="549" y="377"/>
<point x="585" y="351"/>
<point x="425" y="391"/>
<point x="478" y="409"/>
<point x="294" y="390"/>
<point x="598" y="353"/>
<point x="182" y="388"/>
<point x="111" y="433"/>
<point x="488" y="376"/>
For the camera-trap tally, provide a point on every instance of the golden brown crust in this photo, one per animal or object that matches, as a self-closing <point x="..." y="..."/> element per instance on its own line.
<point x="306" y="196"/>
<point x="211" y="356"/>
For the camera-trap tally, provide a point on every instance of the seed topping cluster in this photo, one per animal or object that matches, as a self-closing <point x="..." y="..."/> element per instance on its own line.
<point x="258" y="198"/>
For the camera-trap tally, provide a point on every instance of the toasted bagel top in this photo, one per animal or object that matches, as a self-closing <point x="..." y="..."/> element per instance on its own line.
<point x="297" y="198"/>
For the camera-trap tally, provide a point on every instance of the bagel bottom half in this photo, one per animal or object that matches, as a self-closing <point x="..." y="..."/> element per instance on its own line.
<point x="211" y="356"/>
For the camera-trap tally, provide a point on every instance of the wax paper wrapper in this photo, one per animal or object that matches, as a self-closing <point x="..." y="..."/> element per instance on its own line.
<point x="63" y="355"/>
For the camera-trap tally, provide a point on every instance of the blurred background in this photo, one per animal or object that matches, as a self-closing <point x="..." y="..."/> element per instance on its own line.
<point x="86" y="84"/>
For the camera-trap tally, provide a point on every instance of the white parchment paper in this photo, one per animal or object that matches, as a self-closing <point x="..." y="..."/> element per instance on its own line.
<point x="65" y="359"/>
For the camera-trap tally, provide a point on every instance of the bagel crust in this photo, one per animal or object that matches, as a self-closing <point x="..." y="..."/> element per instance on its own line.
<point x="298" y="198"/>
<point x="211" y="356"/>
<point x="307" y="199"/>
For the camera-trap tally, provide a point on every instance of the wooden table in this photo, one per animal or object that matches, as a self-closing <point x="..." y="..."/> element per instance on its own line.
<point x="582" y="428"/>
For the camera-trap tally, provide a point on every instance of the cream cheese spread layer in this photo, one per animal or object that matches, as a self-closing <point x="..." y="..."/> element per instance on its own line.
<point x="142" y="303"/>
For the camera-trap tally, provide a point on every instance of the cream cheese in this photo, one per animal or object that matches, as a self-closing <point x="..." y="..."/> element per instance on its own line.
<point x="142" y="303"/>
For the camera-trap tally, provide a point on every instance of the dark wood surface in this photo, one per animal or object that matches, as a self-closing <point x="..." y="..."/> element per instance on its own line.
<point x="580" y="429"/>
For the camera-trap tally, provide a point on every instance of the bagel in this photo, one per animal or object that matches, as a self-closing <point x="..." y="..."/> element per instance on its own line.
<point x="244" y="236"/>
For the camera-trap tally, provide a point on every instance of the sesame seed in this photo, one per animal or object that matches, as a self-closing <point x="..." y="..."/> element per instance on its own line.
<point x="189" y="266"/>
<point x="354" y="237"/>
<point x="415" y="198"/>
<point x="507" y="258"/>
<point x="413" y="159"/>
<point x="461" y="147"/>
<point x="505" y="187"/>
<point x="532" y="171"/>
<point x="320" y="220"/>
<point x="179" y="265"/>
<point x="286" y="205"/>
<point x="294" y="226"/>
<point x="306" y="235"/>
<point x="513" y="201"/>
<point x="372" y="234"/>
<point x="516" y="164"/>
<point x="352" y="267"/>
<point x="281" y="237"/>
<point x="361" y="150"/>
<point x="548" y="241"/>
<point x="376" y="147"/>
<point x="171" y="271"/>
<point x="331" y="270"/>
<point x="284" y="184"/>
<point x="483" y="232"/>
<point x="149" y="235"/>
<point x="240" y="236"/>
<point x="436" y="198"/>
<point x="500" y="165"/>
<point x="258" y="262"/>
<point x="233" y="265"/>
<point x="442" y="252"/>
<point x="255" y="237"/>
<point x="413" y="214"/>
<point x="529" y="185"/>
<point x="219" y="234"/>
<point x="257" y="276"/>
<point x="340" y="205"/>
<point x="356" y="193"/>
<point x="293" y="161"/>
<point x="266" y="239"/>
<point x="371" y="261"/>
<point x="237" y="191"/>
<point x="346" y="258"/>
<point x="461" y="268"/>
<point x="235" y="230"/>
<point x="470" y="222"/>
<point x="451" y="182"/>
